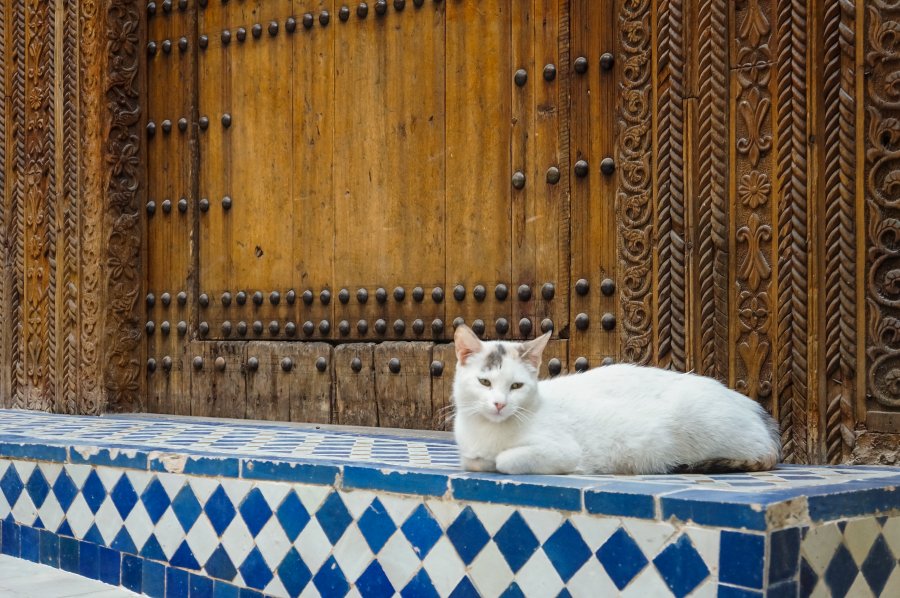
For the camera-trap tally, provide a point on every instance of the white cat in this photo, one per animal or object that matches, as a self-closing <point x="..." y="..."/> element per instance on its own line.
<point x="621" y="419"/>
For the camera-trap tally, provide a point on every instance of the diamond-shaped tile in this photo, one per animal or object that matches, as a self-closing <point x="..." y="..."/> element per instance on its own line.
<point x="681" y="567"/>
<point x="373" y="583"/>
<point x="168" y="532"/>
<point x="841" y="572"/>
<point x="567" y="550"/>
<point x="255" y="511"/>
<point x="313" y="546"/>
<point x="124" y="543"/>
<point x="11" y="485"/>
<point x="376" y="525"/>
<point x="65" y="490"/>
<point x="186" y="507"/>
<point x="153" y="551"/>
<point x="538" y="577"/>
<point x="50" y="513"/>
<point x="255" y="571"/>
<point x="444" y="566"/>
<point x="155" y="500"/>
<point x="468" y="535"/>
<point x="420" y="586"/>
<point x="219" y="565"/>
<point x="489" y="571"/>
<point x="79" y="517"/>
<point x="422" y="530"/>
<point x="139" y="527"/>
<point x="879" y="565"/>
<point x="93" y="491"/>
<point x="621" y="558"/>
<point x="202" y="539"/>
<point x="184" y="558"/>
<point x="237" y="540"/>
<point x="272" y="542"/>
<point x="330" y="580"/>
<point x="37" y="487"/>
<point x="24" y="511"/>
<point x="466" y="589"/>
<point x="516" y="541"/>
<point x="334" y="517"/>
<point x="294" y="573"/>
<point x="859" y="535"/>
<point x="219" y="510"/>
<point x="292" y="515"/>
<point x="352" y="553"/>
<point x="108" y="520"/>
<point x="399" y="560"/>
<point x="123" y="496"/>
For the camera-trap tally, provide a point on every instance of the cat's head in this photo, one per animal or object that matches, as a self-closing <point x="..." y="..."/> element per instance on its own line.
<point x="494" y="379"/>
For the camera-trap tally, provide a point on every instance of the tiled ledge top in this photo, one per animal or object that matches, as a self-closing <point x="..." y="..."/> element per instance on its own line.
<point x="426" y="463"/>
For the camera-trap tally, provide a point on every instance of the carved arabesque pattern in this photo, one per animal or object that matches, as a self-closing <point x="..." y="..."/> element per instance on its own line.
<point x="17" y="208"/>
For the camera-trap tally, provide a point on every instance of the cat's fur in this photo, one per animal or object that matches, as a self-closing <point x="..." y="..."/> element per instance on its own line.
<point x="620" y="419"/>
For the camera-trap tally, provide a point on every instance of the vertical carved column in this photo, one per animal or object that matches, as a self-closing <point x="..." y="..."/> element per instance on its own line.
<point x="634" y="198"/>
<point x="5" y="282"/>
<point x="16" y="272"/>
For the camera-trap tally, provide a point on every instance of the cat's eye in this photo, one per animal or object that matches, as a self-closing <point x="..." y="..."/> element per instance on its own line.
<point x="515" y="386"/>
<point x="485" y="382"/>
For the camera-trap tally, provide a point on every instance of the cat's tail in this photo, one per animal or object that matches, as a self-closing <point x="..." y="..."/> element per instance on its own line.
<point x="729" y="465"/>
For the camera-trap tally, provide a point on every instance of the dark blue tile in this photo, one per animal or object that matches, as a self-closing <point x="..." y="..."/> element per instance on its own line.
<point x="37" y="487"/>
<point x="249" y="593"/>
<point x="130" y="459"/>
<point x="515" y="540"/>
<point x="422" y="531"/>
<point x="784" y="589"/>
<point x="255" y="571"/>
<point x="177" y="583"/>
<point x="622" y="558"/>
<point x="11" y="485"/>
<point x="333" y="517"/>
<point x="403" y="482"/>
<point x="89" y="560"/>
<point x="227" y="467"/>
<point x="784" y="554"/>
<point x="41" y="451"/>
<point x="49" y="549"/>
<point x="255" y="511"/>
<point x="186" y="507"/>
<point x="717" y="508"/>
<point x="466" y="589"/>
<point x="225" y="590"/>
<point x="110" y="566"/>
<point x="11" y="541"/>
<point x="64" y="490"/>
<point x="502" y="489"/>
<point x="373" y="583"/>
<point x="294" y="573"/>
<point x="513" y="591"/>
<point x="851" y="499"/>
<point x="330" y="580"/>
<point x="123" y="542"/>
<point x="184" y="557"/>
<point x="741" y="559"/>
<point x="152" y="549"/>
<point x="93" y="535"/>
<point x="132" y="573"/>
<point x="420" y="586"/>
<point x="808" y="578"/>
<point x="627" y="499"/>
<point x="292" y="516"/>
<point x="219" y="565"/>
<point x="155" y="500"/>
<point x="841" y="572"/>
<point x="877" y="567"/>
<point x="377" y="526"/>
<point x="93" y="491"/>
<point x="65" y="530"/>
<point x="68" y="554"/>
<point x="30" y="544"/>
<point x="123" y="496"/>
<point x="567" y="551"/>
<point x="681" y="567"/>
<point x="201" y="587"/>
<point x="154" y="583"/>
<point x="468" y="535"/>
<point x="733" y="592"/>
<point x="221" y="511"/>
<point x="281" y="471"/>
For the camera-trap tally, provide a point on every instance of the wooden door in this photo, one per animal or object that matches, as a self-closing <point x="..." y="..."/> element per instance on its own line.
<point x="376" y="172"/>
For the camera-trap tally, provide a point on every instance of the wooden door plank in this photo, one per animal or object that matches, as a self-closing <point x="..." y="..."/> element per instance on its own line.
<point x="443" y="356"/>
<point x="404" y="385"/>
<point x="355" y="401"/>
<point x="264" y="401"/>
<point x="309" y="385"/>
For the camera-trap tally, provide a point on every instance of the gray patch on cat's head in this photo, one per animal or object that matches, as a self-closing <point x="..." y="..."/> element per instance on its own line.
<point x="494" y="359"/>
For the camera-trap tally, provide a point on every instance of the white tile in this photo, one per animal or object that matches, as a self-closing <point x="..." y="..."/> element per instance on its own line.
<point x="139" y="525"/>
<point x="24" y="510"/>
<point x="399" y="560"/>
<point x="79" y="517"/>
<point x="489" y="571"/>
<point x="51" y="513"/>
<point x="538" y="577"/>
<point x="891" y="532"/>
<point x="444" y="510"/>
<point x="108" y="520"/>
<point x="171" y="482"/>
<point x="202" y="539"/>
<point x="892" y="587"/>
<point x="651" y="536"/>
<point x="859" y="535"/>
<point x="276" y="588"/>
<point x="78" y="473"/>
<point x="273" y="492"/>
<point x="706" y="541"/>
<point x="311" y="496"/>
<point x="595" y="530"/>
<point x="50" y="470"/>
<point x="861" y="589"/>
<point x="139" y="480"/>
<point x="24" y="469"/>
<point x="591" y="581"/>
<point x="169" y="532"/>
<point x="819" y="546"/>
<point x="492" y="517"/>
<point x="236" y="489"/>
<point x="310" y="591"/>
<point x="352" y="553"/>
<point x="357" y="501"/>
<point x="647" y="583"/>
<point x="203" y="487"/>
<point x="313" y="546"/>
<point x="237" y="541"/>
<point x="4" y="465"/>
<point x="444" y="566"/>
<point x="273" y="543"/>
<point x="399" y="507"/>
<point x="109" y="476"/>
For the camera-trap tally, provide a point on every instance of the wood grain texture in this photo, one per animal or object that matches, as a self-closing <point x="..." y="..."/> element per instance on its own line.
<point x="411" y="379"/>
<point x="355" y="399"/>
<point x="6" y="281"/>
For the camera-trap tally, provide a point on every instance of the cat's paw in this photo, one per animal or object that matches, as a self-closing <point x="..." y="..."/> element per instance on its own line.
<point x="478" y="464"/>
<point x="514" y="463"/>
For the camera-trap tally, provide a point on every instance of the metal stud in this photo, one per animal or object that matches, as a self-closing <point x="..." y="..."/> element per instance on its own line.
<point x="290" y="329"/>
<point x="362" y="327"/>
<point x="524" y="292"/>
<point x="394" y="365"/>
<point x="501" y="292"/>
<point x="582" y="321"/>
<point x="399" y="294"/>
<point x="437" y="368"/>
<point x="518" y="180"/>
<point x="203" y="299"/>
<point x="204" y="204"/>
<point x="151" y="365"/>
<point x="418" y="3"/>
<point x="151" y="207"/>
<point x="344" y="296"/>
<point x="418" y="326"/>
<point x="182" y="298"/>
<point x="437" y="326"/>
<point x="290" y="24"/>
<point x="479" y="292"/>
<point x="525" y="326"/>
<point x="344" y="13"/>
<point x="203" y="41"/>
<point x="581" y="65"/>
<point x="151" y="48"/>
<point x="608" y="287"/>
<point x="291" y="297"/>
<point x="287" y="364"/>
<point x="459" y="292"/>
<point x="150" y="327"/>
<point x="607" y="166"/>
<point x="226" y="37"/>
<point x="321" y="364"/>
<point x="220" y="364"/>
<point x="548" y="291"/>
<point x="553" y="175"/>
<point x="399" y="5"/>
<point x="554" y="366"/>
<point x="151" y="129"/>
<point x="608" y="321"/>
<point x="164" y="327"/>
<point x="257" y="327"/>
<point x="258" y="298"/>
<point x="182" y="205"/>
<point x="521" y="77"/>
<point x="182" y="5"/>
<point x="151" y="8"/>
<point x="198" y="363"/>
<point x="181" y="328"/>
<point x="501" y="325"/>
<point x="166" y="299"/>
<point x="167" y="206"/>
<point x="253" y="364"/>
<point x="204" y="122"/>
<point x="308" y="21"/>
<point x="151" y="299"/>
<point x="274" y="328"/>
<point x="581" y="168"/>
<point x="607" y="61"/>
<point x="324" y="18"/>
<point x="307" y="297"/>
<point x="546" y="325"/>
<point x="273" y="28"/>
<point x="437" y="294"/>
<point x="362" y="10"/>
<point x="380" y="7"/>
<point x="203" y="328"/>
<point x="324" y="327"/>
<point x="167" y="363"/>
<point x="356" y="364"/>
<point x="241" y="34"/>
<point x="380" y="326"/>
<point x="226" y="328"/>
<point x="325" y="297"/>
<point x="241" y="297"/>
<point x="582" y="287"/>
<point x="581" y="364"/>
<point x="274" y="297"/>
<point x="167" y="126"/>
<point x="183" y="44"/>
<point x="399" y="326"/>
<point x="182" y="124"/>
<point x="478" y="327"/>
<point x="418" y="294"/>
<point x="607" y="361"/>
<point x="226" y="203"/>
<point x="256" y="30"/>
<point x="308" y="328"/>
<point x="549" y="72"/>
<point x="167" y="6"/>
<point x="344" y="327"/>
<point x="362" y="295"/>
<point x="226" y="120"/>
<point x="242" y="328"/>
<point x="167" y="46"/>
<point x="381" y="295"/>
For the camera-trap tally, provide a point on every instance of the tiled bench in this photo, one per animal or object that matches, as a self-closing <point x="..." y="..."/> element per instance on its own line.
<point x="188" y="507"/>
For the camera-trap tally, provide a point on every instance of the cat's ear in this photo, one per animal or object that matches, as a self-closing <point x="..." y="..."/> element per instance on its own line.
<point x="532" y="351"/>
<point x="467" y="344"/>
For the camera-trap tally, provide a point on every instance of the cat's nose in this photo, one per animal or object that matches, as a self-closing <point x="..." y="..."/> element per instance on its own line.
<point x="499" y="406"/>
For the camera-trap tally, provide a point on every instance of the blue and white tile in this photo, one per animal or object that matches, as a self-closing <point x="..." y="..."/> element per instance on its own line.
<point x="273" y="543"/>
<point x="595" y="531"/>
<point x="138" y="525"/>
<point x="859" y="536"/>
<point x="202" y="539"/>
<point x="891" y="530"/>
<point x="51" y="513"/>
<point x="706" y="543"/>
<point x="237" y="541"/>
<point x="313" y="545"/>
<point x="24" y="510"/>
<point x="108" y="520"/>
<point x="79" y="517"/>
<point x="352" y="553"/>
<point x="592" y="580"/>
<point x="444" y="566"/>
<point x="312" y="496"/>
<point x="647" y="583"/>
<point x="169" y="533"/>
<point x="399" y="507"/>
<point x="492" y="516"/>
<point x="445" y="511"/>
<point x="399" y="560"/>
<point x="203" y="487"/>
<point x="490" y="572"/>
<point x="357" y="501"/>
<point x="651" y="536"/>
<point x="538" y="576"/>
<point x="819" y="546"/>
